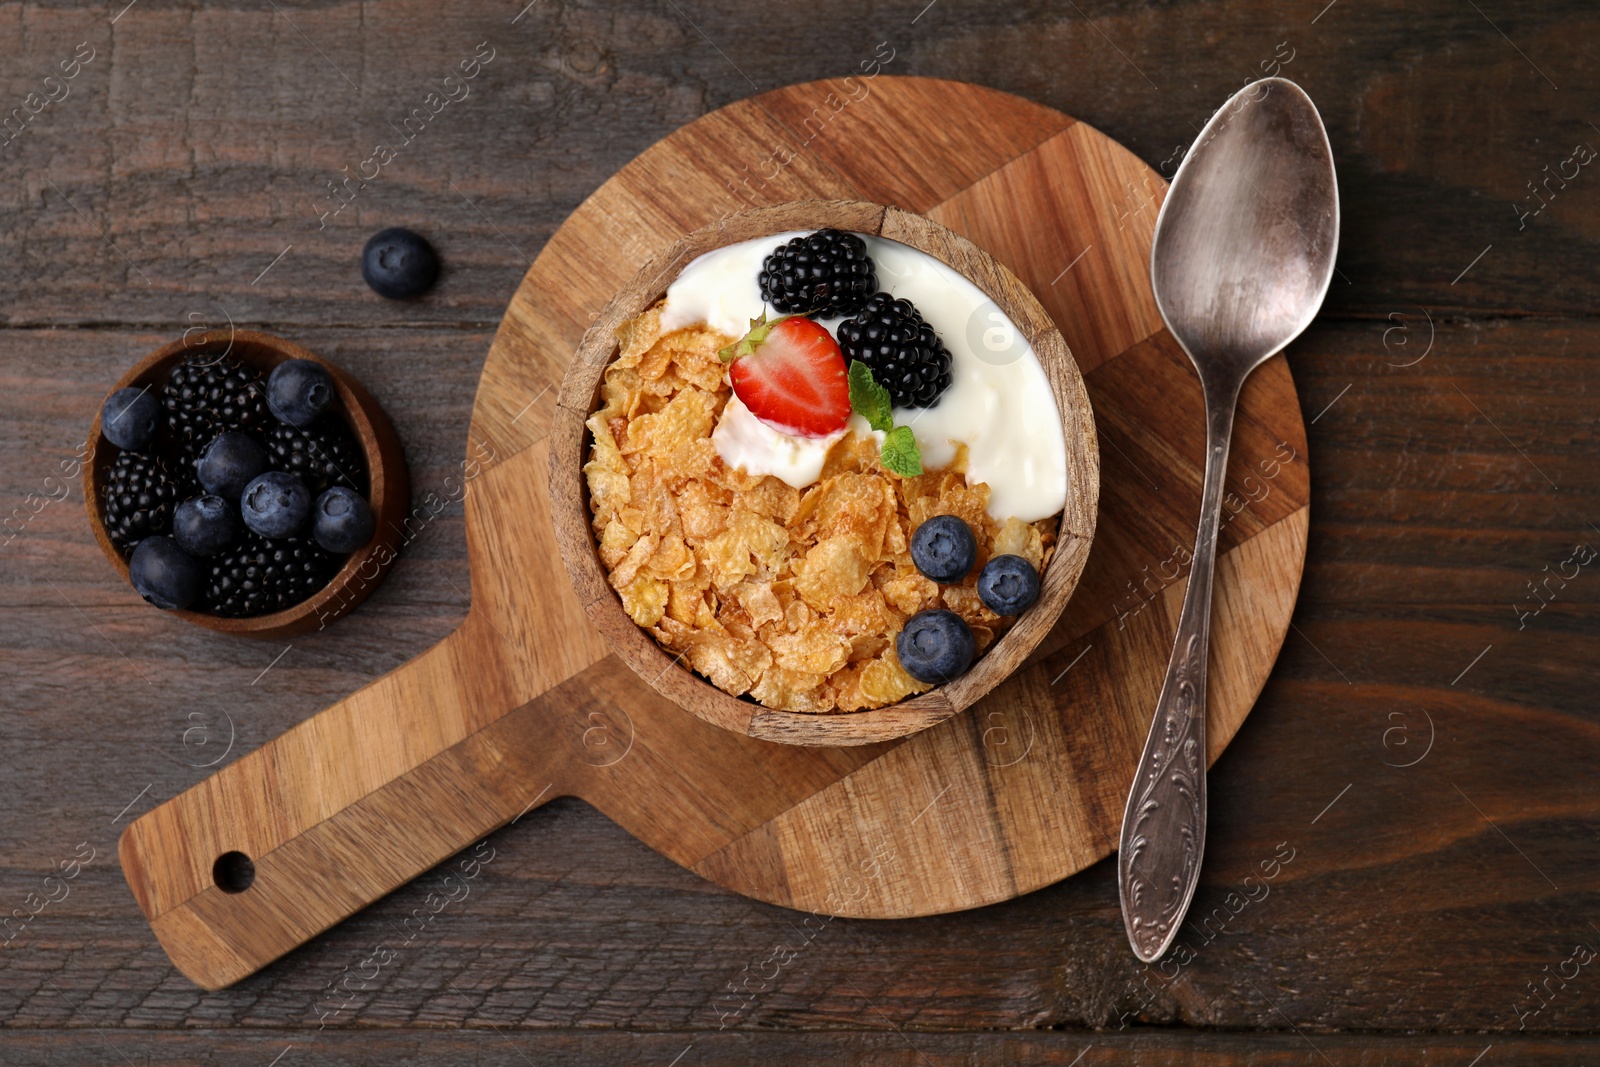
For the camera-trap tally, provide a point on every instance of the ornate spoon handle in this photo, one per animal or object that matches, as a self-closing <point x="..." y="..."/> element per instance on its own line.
<point x="1164" y="824"/>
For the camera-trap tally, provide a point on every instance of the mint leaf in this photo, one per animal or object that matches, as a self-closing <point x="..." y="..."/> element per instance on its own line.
<point x="869" y="399"/>
<point x="899" y="452"/>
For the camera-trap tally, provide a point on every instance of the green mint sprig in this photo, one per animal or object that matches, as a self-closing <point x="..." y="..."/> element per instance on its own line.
<point x="899" y="452"/>
<point x="870" y="400"/>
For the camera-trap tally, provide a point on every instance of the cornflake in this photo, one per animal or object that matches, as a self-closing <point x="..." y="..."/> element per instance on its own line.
<point x="792" y="597"/>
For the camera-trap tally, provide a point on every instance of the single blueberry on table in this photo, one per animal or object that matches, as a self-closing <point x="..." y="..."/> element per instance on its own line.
<point x="130" y="417"/>
<point x="398" y="264"/>
<point x="341" y="521"/>
<point x="164" y="574"/>
<point x="298" y="391"/>
<point x="935" y="646"/>
<point x="228" y="464"/>
<point x="275" y="504"/>
<point x="1008" y="585"/>
<point x="944" y="549"/>
<point x="205" y="525"/>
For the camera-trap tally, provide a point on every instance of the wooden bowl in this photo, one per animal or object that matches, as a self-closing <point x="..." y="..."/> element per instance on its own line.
<point x="389" y="491"/>
<point x="571" y="515"/>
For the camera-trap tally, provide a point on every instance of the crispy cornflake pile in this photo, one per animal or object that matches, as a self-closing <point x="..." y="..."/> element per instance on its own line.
<point x="791" y="596"/>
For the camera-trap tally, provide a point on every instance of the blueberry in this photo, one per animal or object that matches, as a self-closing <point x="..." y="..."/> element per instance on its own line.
<point x="228" y="463"/>
<point x="1008" y="585"/>
<point x="398" y="264"/>
<point x="205" y="525"/>
<point x="935" y="646"/>
<point x="944" y="549"/>
<point x="298" y="391"/>
<point x="341" y="521"/>
<point x="130" y="417"/>
<point x="165" y="574"/>
<point x="275" y="504"/>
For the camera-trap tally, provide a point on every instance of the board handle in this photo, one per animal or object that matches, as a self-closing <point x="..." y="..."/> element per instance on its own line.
<point x="373" y="791"/>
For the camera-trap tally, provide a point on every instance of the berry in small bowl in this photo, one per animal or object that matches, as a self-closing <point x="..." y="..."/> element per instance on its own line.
<point x="229" y="463"/>
<point x="163" y="573"/>
<point x="136" y="496"/>
<point x="276" y="504"/>
<point x="130" y="418"/>
<point x="298" y="390"/>
<point x="211" y="515"/>
<point x="341" y="520"/>
<point x="205" y="525"/>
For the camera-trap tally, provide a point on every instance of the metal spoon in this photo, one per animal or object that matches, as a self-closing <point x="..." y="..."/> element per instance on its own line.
<point x="1242" y="258"/>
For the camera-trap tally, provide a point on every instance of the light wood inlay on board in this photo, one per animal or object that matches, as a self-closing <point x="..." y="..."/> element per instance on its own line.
<point x="1080" y="175"/>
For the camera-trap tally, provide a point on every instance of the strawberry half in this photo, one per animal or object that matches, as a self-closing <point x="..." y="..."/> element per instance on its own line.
<point x="790" y="373"/>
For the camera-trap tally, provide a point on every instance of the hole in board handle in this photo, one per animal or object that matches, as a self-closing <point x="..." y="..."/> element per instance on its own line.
<point x="233" y="872"/>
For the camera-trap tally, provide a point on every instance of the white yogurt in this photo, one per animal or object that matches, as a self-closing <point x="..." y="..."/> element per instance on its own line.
<point x="745" y="442"/>
<point x="999" y="404"/>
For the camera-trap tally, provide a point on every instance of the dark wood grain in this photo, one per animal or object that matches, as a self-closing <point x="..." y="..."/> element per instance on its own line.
<point x="486" y="1048"/>
<point x="1408" y="920"/>
<point x="167" y="163"/>
<point x="1404" y="908"/>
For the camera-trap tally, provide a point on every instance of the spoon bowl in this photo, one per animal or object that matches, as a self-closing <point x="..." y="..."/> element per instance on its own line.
<point x="1244" y="246"/>
<point x="1241" y="260"/>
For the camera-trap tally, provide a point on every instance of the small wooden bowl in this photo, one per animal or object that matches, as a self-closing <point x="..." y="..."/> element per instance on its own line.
<point x="570" y="502"/>
<point x="389" y="490"/>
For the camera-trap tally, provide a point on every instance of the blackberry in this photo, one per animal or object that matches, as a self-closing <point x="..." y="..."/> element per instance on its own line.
<point x="140" y="494"/>
<point x="905" y="355"/>
<point x="257" y="575"/>
<point x="321" y="455"/>
<point x="826" y="273"/>
<point x="207" y="394"/>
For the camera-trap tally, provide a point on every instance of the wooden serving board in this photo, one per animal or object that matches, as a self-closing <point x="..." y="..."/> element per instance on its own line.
<point x="524" y="703"/>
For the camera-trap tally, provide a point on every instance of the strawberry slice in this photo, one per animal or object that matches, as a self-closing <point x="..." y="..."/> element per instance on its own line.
<point x="790" y="373"/>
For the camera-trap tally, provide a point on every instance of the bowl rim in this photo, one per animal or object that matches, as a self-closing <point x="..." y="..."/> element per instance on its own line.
<point x="678" y="682"/>
<point x="388" y="493"/>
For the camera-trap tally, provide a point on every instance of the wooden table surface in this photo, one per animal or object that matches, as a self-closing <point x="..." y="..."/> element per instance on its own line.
<point x="1419" y="774"/>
